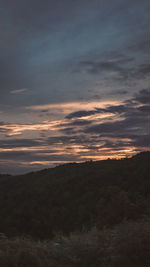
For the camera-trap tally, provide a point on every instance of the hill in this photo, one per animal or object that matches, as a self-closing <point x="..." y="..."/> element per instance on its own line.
<point x="74" y="197"/>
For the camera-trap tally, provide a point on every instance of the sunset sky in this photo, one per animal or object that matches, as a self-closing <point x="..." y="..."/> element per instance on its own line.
<point x="74" y="81"/>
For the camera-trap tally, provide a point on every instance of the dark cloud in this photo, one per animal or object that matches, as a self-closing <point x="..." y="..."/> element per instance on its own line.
<point x="142" y="46"/>
<point x="142" y="71"/>
<point x="133" y="121"/>
<point x="143" y="96"/>
<point x="28" y="156"/>
<point x="15" y="143"/>
<point x="45" y="110"/>
<point x="119" y="92"/>
<point x="119" y="65"/>
<point x="109" y="127"/>
<point x="124" y="68"/>
<point x="98" y="67"/>
<point x="141" y="140"/>
<point x="71" y="139"/>
<point x="145" y="109"/>
<point x="81" y="113"/>
<point x="116" y="109"/>
<point x="85" y="113"/>
<point x="79" y="122"/>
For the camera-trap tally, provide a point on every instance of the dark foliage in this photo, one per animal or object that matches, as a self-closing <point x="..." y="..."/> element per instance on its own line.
<point x="75" y="197"/>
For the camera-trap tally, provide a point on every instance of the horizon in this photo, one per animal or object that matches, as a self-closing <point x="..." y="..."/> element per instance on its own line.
<point x="75" y="82"/>
<point x="75" y="163"/>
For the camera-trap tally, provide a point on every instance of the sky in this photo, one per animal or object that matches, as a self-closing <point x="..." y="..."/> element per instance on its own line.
<point x="74" y="81"/>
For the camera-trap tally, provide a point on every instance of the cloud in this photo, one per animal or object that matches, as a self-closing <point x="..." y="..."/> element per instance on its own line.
<point x="16" y="143"/>
<point x="141" y="141"/>
<point x="132" y="121"/>
<point x="45" y="110"/>
<point x="120" y="92"/>
<point x="79" y="122"/>
<point x="42" y="43"/>
<point x="98" y="67"/>
<point x="81" y="113"/>
<point x="142" y="71"/>
<point x="118" y="68"/>
<point x="32" y="57"/>
<point x="143" y="96"/>
<point x="124" y="131"/>
<point x="99" y="129"/>
<point x="86" y="113"/>
<point x="142" y="46"/>
<point x="109" y="127"/>
<point x="145" y="109"/>
<point x="19" y="91"/>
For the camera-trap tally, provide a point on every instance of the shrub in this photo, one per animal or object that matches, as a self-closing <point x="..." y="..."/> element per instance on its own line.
<point x="130" y="244"/>
<point x="126" y="245"/>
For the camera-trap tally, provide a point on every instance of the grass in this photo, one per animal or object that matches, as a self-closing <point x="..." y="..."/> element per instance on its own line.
<point x="127" y="244"/>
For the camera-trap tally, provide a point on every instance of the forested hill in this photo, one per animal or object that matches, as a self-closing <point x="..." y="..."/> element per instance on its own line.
<point x="75" y="196"/>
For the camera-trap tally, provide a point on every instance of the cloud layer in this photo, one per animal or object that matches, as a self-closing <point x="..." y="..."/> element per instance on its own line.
<point x="97" y="132"/>
<point x="74" y="81"/>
